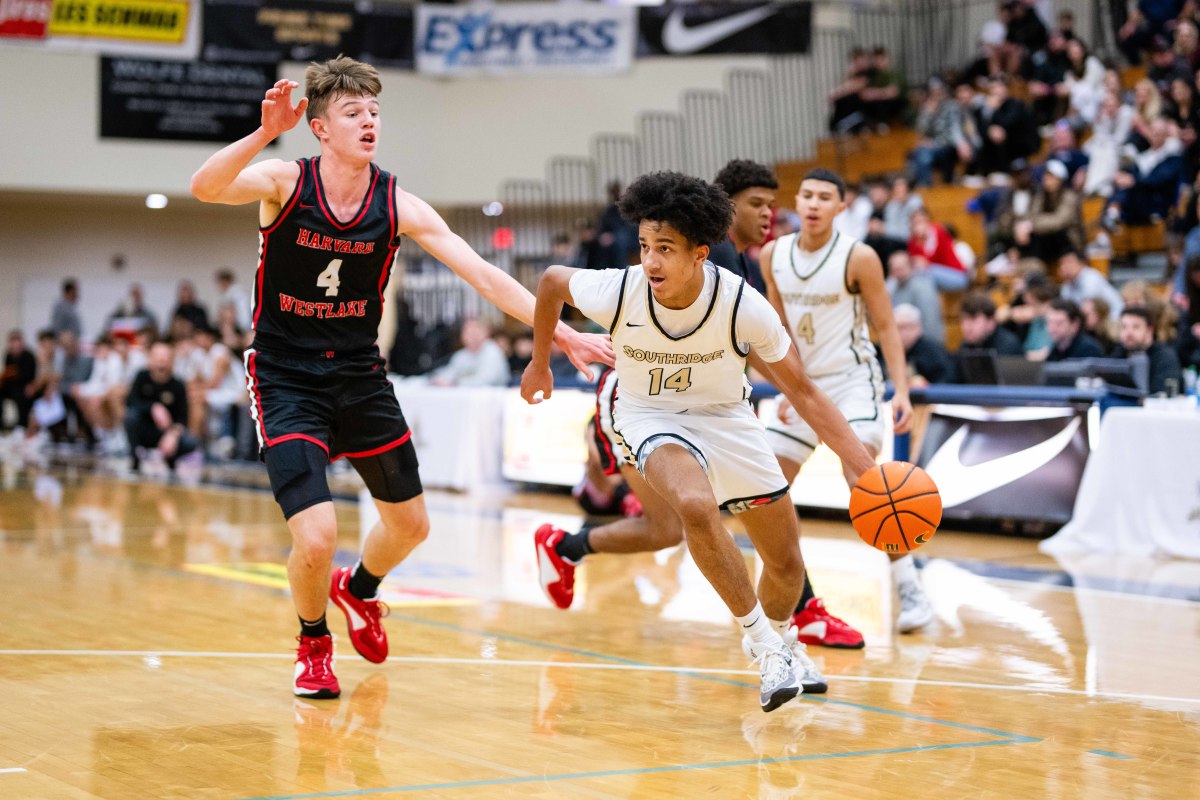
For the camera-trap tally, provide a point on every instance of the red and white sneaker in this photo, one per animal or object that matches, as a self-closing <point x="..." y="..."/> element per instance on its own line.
<point x="818" y="626"/>
<point x="314" y="668"/>
<point x="365" y="618"/>
<point x="555" y="574"/>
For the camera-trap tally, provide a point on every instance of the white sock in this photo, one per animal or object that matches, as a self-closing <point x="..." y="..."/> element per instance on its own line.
<point x="905" y="570"/>
<point x="780" y="625"/>
<point x="758" y="627"/>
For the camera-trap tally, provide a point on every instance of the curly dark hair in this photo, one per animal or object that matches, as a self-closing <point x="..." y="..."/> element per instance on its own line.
<point x="741" y="174"/>
<point x="698" y="210"/>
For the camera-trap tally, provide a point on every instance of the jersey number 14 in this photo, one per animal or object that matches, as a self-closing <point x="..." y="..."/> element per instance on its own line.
<point x="679" y="381"/>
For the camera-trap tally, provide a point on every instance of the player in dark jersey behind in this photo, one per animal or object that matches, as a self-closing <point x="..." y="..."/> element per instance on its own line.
<point x="329" y="230"/>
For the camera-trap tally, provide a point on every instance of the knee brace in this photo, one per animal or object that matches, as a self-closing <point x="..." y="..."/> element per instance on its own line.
<point x="391" y="476"/>
<point x="297" y="472"/>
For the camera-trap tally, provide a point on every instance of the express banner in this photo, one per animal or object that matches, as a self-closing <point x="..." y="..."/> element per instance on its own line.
<point x="270" y="31"/>
<point x="724" y="28"/>
<point x="524" y="39"/>
<point x="1022" y="463"/>
<point x="180" y="100"/>
<point x="156" y="28"/>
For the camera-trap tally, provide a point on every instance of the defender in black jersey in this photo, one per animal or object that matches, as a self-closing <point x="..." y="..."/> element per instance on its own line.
<point x="329" y="230"/>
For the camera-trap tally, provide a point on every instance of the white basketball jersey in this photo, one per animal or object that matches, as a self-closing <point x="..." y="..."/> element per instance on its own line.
<point x="661" y="372"/>
<point x="827" y="320"/>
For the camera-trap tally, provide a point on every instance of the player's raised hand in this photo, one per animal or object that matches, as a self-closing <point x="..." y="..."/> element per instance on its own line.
<point x="278" y="113"/>
<point x="536" y="381"/>
<point x="585" y="349"/>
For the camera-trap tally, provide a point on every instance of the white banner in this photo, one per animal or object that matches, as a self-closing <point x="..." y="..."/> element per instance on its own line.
<point x="524" y="39"/>
<point x="148" y="28"/>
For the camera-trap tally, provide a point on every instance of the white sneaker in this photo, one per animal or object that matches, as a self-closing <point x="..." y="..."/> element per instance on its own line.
<point x="915" y="610"/>
<point x="777" y="674"/>
<point x="810" y="678"/>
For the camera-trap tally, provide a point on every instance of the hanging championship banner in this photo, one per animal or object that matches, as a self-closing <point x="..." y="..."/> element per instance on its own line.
<point x="158" y="28"/>
<point x="724" y="28"/>
<point x="270" y="31"/>
<point x="524" y="39"/>
<point x="195" y="101"/>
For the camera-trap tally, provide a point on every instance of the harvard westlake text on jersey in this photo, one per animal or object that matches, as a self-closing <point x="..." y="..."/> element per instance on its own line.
<point x="320" y="279"/>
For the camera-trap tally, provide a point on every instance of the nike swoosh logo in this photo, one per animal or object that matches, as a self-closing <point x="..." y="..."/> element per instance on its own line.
<point x="549" y="574"/>
<point x="356" y="621"/>
<point x="678" y="38"/>
<point x="959" y="483"/>
<point x="817" y="629"/>
<point x="635" y="325"/>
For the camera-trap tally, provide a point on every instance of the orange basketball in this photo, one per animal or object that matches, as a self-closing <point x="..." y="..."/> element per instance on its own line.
<point x="895" y="507"/>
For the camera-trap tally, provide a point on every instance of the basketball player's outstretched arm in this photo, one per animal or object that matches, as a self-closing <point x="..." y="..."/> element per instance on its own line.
<point x="790" y="377"/>
<point x="865" y="273"/>
<point x="429" y="230"/>
<point x="226" y="176"/>
<point x="554" y="289"/>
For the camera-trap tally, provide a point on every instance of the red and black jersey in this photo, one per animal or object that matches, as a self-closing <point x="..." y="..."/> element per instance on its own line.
<point x="320" y="280"/>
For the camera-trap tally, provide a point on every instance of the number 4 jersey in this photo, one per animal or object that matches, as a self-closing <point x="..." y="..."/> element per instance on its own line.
<point x="826" y="318"/>
<point x="679" y="360"/>
<point x="320" y="281"/>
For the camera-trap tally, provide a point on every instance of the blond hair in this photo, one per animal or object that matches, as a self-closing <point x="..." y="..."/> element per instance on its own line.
<point x="326" y="82"/>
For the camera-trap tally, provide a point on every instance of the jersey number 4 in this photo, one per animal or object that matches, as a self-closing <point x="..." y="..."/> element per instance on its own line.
<point x="679" y="381"/>
<point x="329" y="280"/>
<point x="805" y="329"/>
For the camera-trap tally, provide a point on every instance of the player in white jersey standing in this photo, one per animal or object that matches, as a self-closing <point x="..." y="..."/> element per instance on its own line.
<point x="825" y="285"/>
<point x="683" y="330"/>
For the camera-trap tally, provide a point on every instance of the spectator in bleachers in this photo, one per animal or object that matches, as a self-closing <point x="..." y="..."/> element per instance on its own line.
<point x="1148" y="20"/>
<point x="1047" y="81"/>
<point x="1084" y="82"/>
<point x="1183" y="109"/>
<point x="966" y="253"/>
<point x="1137" y="336"/>
<point x="156" y="419"/>
<point x="853" y="220"/>
<point x="1064" y="150"/>
<point x="928" y="361"/>
<point x="1066" y="25"/>
<point x="977" y="321"/>
<point x="1080" y="281"/>
<point x="1002" y="206"/>
<point x="1053" y="224"/>
<point x="1008" y="129"/>
<point x="229" y="291"/>
<point x="233" y="335"/>
<point x="1064" y="324"/>
<point x="1147" y="183"/>
<point x="846" y="102"/>
<point x="1187" y="340"/>
<point x="480" y="361"/>
<point x="940" y="126"/>
<point x="65" y="315"/>
<point x="1026" y="34"/>
<point x="880" y="242"/>
<point x="1111" y="129"/>
<point x="932" y="250"/>
<point x="94" y="396"/>
<point x="990" y="58"/>
<point x="187" y="307"/>
<point x="1097" y="321"/>
<point x="1166" y="66"/>
<point x="20" y="368"/>
<point x="1027" y="316"/>
<point x="132" y="313"/>
<point x="785" y="222"/>
<point x="73" y="368"/>
<point x="918" y="290"/>
<point x="1147" y="107"/>
<point x="898" y="210"/>
<point x="885" y="97"/>
<point x="616" y="239"/>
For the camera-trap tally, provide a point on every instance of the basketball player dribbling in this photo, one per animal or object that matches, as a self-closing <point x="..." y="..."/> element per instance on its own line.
<point x="330" y="227"/>
<point x="683" y="330"/>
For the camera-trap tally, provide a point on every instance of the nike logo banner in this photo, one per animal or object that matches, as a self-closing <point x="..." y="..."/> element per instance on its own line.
<point x="720" y="28"/>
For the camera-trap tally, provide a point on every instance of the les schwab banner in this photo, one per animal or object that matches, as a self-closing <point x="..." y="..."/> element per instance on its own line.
<point x="162" y="28"/>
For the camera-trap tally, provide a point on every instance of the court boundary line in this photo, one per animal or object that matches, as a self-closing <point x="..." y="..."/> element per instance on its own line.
<point x="635" y="667"/>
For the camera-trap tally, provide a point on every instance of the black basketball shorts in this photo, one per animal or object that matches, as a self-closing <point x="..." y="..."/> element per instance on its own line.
<point x="343" y="404"/>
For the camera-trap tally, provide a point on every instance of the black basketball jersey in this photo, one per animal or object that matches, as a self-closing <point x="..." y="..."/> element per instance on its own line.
<point x="320" y="281"/>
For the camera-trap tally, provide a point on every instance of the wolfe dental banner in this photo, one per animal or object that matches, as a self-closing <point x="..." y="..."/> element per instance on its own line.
<point x="149" y="28"/>
<point x="197" y="101"/>
<point x="270" y="31"/>
<point x="688" y="29"/>
<point x="524" y="39"/>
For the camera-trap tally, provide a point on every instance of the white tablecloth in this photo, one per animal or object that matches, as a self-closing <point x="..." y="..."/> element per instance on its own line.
<point x="1140" y="493"/>
<point x="458" y="432"/>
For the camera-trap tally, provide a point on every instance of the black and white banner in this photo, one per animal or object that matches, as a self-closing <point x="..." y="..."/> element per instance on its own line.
<point x="181" y="100"/>
<point x="270" y="31"/>
<point x="724" y="28"/>
<point x="522" y="39"/>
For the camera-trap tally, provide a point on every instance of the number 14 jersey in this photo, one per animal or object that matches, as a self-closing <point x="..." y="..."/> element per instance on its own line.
<point x="319" y="286"/>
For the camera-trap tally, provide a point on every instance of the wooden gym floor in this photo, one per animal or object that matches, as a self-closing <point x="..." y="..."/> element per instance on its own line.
<point x="145" y="654"/>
